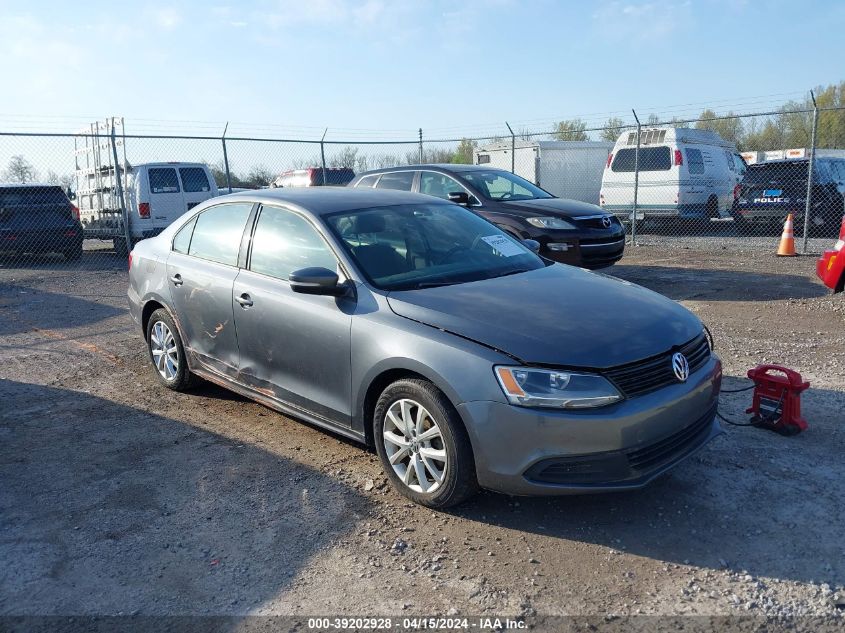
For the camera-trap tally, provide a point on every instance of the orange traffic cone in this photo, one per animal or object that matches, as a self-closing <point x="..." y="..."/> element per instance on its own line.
<point x="787" y="239"/>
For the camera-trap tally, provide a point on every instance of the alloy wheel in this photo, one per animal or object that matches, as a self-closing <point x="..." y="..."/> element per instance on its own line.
<point x="164" y="351"/>
<point x="414" y="445"/>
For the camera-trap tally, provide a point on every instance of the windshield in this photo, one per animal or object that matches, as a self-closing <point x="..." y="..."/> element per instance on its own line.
<point x="411" y="246"/>
<point x="501" y="185"/>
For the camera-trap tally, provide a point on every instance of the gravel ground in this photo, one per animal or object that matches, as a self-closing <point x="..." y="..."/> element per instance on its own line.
<point x="119" y="497"/>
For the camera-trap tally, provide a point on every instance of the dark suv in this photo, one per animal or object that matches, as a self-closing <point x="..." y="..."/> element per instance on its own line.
<point x="568" y="231"/>
<point x="771" y="190"/>
<point x="38" y="219"/>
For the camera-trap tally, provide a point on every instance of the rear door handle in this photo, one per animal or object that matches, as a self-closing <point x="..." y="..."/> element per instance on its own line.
<point x="177" y="279"/>
<point x="244" y="300"/>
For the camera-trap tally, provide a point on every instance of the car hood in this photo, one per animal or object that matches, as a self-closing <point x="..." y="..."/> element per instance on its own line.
<point x="558" y="315"/>
<point x="553" y="206"/>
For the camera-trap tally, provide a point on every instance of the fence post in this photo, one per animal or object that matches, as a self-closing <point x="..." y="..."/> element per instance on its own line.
<point x="118" y="183"/>
<point x="636" y="182"/>
<point x="513" y="148"/>
<point x="323" y="154"/>
<point x="807" y="199"/>
<point x="421" y="147"/>
<point x="226" y="159"/>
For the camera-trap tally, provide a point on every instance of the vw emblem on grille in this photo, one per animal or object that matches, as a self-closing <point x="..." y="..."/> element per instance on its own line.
<point x="680" y="366"/>
<point x="605" y="221"/>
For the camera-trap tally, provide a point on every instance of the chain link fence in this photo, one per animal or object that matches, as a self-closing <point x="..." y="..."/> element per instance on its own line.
<point x="73" y="200"/>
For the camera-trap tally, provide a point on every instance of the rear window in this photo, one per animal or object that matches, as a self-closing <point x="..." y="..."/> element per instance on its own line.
<point x="334" y="176"/>
<point x="651" y="159"/>
<point x="401" y="180"/>
<point x="367" y="181"/>
<point x="194" y="179"/>
<point x="779" y="172"/>
<point x="17" y="196"/>
<point x="163" y="180"/>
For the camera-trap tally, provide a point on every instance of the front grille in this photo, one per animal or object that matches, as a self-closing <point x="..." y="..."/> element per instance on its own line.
<point x="595" y="222"/>
<point x="666" y="449"/>
<point x="651" y="374"/>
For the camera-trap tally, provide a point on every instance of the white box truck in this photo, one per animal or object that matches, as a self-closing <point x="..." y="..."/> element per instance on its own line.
<point x="152" y="195"/>
<point x="566" y="169"/>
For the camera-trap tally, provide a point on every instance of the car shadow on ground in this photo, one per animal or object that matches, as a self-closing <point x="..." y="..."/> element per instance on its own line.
<point x="752" y="501"/>
<point x="28" y="307"/>
<point x="108" y="509"/>
<point x="719" y="285"/>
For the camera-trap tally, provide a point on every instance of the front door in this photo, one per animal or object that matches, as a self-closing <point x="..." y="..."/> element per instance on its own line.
<point x="293" y="347"/>
<point x="201" y="270"/>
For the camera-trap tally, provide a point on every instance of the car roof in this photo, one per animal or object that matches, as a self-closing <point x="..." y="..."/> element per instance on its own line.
<point x="327" y="200"/>
<point x="448" y="167"/>
<point x="27" y="185"/>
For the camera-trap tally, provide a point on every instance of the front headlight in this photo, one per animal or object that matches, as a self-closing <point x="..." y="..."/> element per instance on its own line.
<point x="530" y="387"/>
<point x="550" y="223"/>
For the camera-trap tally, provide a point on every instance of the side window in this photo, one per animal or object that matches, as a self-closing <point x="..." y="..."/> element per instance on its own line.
<point x="740" y="164"/>
<point x="218" y="232"/>
<point x="695" y="161"/>
<point x="284" y="242"/>
<point x="440" y="185"/>
<point x="194" y="179"/>
<point x="182" y="241"/>
<point x="367" y="181"/>
<point x="401" y="180"/>
<point x="730" y="158"/>
<point x="163" y="180"/>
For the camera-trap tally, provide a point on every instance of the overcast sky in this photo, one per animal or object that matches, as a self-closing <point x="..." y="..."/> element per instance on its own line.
<point x="383" y="68"/>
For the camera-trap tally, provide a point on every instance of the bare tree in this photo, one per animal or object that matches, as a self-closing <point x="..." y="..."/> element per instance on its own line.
<point x="259" y="176"/>
<point x="347" y="157"/>
<point x="19" y="170"/>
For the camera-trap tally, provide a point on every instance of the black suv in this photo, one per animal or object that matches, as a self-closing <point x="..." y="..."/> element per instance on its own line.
<point x="38" y="219"/>
<point x="771" y="190"/>
<point x="568" y="231"/>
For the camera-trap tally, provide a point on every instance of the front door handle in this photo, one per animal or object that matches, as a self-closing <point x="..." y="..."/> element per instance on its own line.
<point x="177" y="279"/>
<point x="244" y="300"/>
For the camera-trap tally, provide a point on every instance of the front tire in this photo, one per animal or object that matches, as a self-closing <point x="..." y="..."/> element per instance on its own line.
<point x="423" y="445"/>
<point x="167" y="353"/>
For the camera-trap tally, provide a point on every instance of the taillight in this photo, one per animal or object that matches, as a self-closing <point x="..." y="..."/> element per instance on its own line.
<point x="609" y="160"/>
<point x="311" y="179"/>
<point x="601" y="199"/>
<point x="679" y="158"/>
<point x="144" y="209"/>
<point x="75" y="211"/>
<point x="130" y="260"/>
<point x="737" y="190"/>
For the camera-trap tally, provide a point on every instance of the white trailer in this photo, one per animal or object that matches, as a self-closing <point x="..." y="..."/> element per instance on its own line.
<point x="566" y="169"/>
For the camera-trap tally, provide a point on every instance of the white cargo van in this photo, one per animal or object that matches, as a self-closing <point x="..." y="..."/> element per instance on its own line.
<point x="683" y="173"/>
<point x="154" y="194"/>
<point x="566" y="169"/>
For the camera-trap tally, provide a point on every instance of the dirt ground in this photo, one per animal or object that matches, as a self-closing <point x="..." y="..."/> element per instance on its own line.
<point x="120" y="497"/>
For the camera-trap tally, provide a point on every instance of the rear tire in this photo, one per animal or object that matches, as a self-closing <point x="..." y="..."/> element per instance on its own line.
<point x="120" y="246"/>
<point x="422" y="444"/>
<point x="74" y="253"/>
<point x="167" y="353"/>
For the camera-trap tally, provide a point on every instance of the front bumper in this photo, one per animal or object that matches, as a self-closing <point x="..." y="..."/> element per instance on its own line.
<point x="621" y="447"/>
<point x="588" y="253"/>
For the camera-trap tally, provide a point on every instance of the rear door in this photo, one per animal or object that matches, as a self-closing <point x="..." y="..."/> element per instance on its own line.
<point x="201" y="270"/>
<point x="197" y="186"/>
<point x="166" y="201"/>
<point x="771" y="190"/>
<point x="36" y="218"/>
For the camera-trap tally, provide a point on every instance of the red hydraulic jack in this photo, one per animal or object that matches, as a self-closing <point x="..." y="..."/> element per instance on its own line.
<point x="777" y="399"/>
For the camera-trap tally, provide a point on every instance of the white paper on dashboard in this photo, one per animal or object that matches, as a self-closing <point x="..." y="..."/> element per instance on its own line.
<point x="503" y="245"/>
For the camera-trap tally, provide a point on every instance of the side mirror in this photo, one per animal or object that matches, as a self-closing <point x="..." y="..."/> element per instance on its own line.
<point x="316" y="281"/>
<point x="532" y="245"/>
<point x="459" y="197"/>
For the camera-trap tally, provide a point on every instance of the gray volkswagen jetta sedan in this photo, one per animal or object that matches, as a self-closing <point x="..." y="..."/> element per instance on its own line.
<point x="420" y="329"/>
